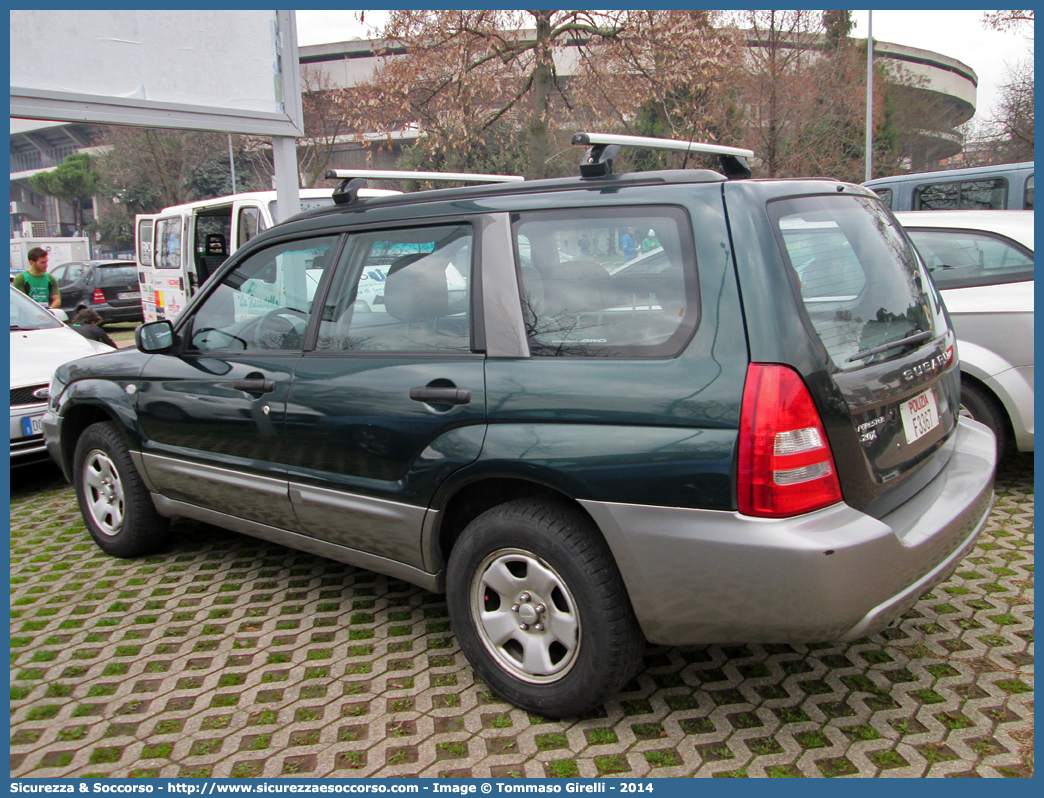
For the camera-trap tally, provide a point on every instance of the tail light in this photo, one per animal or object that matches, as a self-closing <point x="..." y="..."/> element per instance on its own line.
<point x="99" y="297"/>
<point x="785" y="463"/>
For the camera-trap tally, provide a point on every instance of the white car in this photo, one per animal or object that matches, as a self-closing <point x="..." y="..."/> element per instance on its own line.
<point x="982" y="263"/>
<point x="40" y="343"/>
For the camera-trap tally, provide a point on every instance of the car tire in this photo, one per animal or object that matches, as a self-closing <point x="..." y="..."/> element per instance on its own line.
<point x="980" y="405"/>
<point x="113" y="500"/>
<point x="540" y="609"/>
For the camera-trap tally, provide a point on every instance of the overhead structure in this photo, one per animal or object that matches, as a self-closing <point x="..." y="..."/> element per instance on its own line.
<point x="226" y="71"/>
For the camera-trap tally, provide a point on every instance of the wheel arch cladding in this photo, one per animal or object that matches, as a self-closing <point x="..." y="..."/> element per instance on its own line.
<point x="467" y="501"/>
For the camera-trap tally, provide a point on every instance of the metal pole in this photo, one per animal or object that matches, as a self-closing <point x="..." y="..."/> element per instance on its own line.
<point x="231" y="163"/>
<point x="869" y="93"/>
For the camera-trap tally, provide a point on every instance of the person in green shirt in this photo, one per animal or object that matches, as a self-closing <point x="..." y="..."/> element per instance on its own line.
<point x="649" y="243"/>
<point x="36" y="283"/>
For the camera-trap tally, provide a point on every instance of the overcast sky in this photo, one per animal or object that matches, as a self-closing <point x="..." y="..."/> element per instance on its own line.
<point x="958" y="34"/>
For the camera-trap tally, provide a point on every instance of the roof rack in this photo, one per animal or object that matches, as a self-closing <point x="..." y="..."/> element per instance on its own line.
<point x="603" y="147"/>
<point x="354" y="179"/>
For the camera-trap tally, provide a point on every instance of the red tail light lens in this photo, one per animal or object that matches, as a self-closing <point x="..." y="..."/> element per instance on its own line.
<point x="785" y="464"/>
<point x="99" y="297"/>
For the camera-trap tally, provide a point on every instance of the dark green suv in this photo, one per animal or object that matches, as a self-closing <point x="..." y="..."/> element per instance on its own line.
<point x="740" y="425"/>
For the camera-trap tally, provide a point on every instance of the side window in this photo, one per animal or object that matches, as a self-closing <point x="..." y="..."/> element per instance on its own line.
<point x="618" y="282"/>
<point x="145" y="242"/>
<point x="251" y="222"/>
<point x="265" y="301"/>
<point x="959" y="259"/>
<point x="406" y="290"/>
<point x="886" y="196"/>
<point x="986" y="194"/>
<point x="73" y="273"/>
<point x="1027" y="203"/>
<point x="937" y="197"/>
<point x="989" y="194"/>
<point x="168" y="242"/>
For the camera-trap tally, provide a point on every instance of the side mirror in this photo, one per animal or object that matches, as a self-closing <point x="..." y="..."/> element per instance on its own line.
<point x="59" y="314"/>
<point x="154" y="337"/>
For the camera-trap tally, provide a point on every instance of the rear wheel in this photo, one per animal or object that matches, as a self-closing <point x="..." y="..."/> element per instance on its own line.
<point x="114" y="502"/>
<point x="540" y="609"/>
<point x="978" y="404"/>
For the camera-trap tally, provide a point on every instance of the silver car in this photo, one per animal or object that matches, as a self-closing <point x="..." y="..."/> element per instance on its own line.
<point x="982" y="262"/>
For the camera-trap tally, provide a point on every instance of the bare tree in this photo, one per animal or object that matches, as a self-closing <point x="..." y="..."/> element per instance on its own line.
<point x="1007" y="20"/>
<point x="476" y="81"/>
<point x="325" y="124"/>
<point x="1015" y="115"/>
<point x="169" y="162"/>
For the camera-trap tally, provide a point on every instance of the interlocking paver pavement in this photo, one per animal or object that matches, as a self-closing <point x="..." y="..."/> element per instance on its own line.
<point x="227" y="656"/>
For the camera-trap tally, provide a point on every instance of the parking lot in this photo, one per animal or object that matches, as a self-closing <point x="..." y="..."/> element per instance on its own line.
<point x="227" y="656"/>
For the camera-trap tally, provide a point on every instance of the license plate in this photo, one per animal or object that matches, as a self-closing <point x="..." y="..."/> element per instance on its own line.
<point x="920" y="416"/>
<point x="32" y="425"/>
<point x="129" y="295"/>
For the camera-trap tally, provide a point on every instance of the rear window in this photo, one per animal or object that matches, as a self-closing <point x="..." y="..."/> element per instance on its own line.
<point x="107" y="276"/>
<point x="860" y="281"/>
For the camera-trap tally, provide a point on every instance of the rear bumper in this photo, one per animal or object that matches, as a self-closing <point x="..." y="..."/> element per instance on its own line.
<point x="705" y="576"/>
<point x="109" y="313"/>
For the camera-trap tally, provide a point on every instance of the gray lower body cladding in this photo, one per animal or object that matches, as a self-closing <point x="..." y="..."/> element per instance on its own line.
<point x="708" y="576"/>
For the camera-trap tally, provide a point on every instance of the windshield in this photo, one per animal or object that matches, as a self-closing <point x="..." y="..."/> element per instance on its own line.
<point x="860" y="281"/>
<point x="27" y="315"/>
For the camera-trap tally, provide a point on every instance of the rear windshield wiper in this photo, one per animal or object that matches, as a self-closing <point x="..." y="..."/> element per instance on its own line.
<point x="916" y="338"/>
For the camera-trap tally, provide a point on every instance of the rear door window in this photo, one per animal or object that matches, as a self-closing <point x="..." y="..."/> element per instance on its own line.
<point x="860" y="281"/>
<point x="960" y="258"/>
<point x="168" y="243"/>
<point x="404" y="290"/>
<point x="613" y="282"/>
<point x="145" y="242"/>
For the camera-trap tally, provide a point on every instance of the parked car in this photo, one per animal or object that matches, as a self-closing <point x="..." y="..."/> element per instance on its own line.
<point x="39" y="344"/>
<point x="1007" y="186"/>
<point x="109" y="287"/>
<point x="982" y="261"/>
<point x="719" y="451"/>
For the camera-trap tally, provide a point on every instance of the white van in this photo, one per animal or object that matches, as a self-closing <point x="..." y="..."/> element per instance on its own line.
<point x="179" y="247"/>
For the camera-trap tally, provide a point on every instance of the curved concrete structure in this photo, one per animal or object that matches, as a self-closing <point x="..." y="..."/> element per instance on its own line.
<point x="942" y="89"/>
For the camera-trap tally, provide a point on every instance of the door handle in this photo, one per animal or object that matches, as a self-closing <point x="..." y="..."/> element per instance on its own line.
<point x="441" y="396"/>
<point x="254" y="386"/>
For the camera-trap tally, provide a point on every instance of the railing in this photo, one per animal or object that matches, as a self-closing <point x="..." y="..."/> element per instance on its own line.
<point x="41" y="159"/>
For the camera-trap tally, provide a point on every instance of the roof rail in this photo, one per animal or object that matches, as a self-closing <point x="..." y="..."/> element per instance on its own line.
<point x="603" y="147"/>
<point x="354" y="179"/>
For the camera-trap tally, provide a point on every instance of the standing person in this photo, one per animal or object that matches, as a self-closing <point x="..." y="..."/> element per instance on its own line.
<point x="649" y="243"/>
<point x="88" y="323"/>
<point x="629" y="245"/>
<point x="36" y="283"/>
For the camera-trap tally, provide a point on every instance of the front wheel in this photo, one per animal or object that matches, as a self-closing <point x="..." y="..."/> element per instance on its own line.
<point x="540" y="610"/>
<point x="114" y="502"/>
